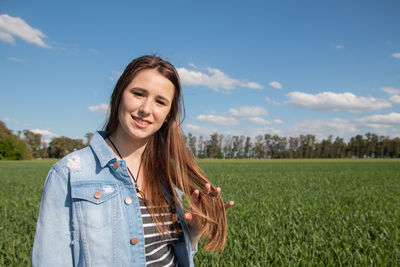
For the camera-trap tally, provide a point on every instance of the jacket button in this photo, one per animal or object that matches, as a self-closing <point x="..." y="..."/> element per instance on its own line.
<point x="97" y="195"/>
<point x="134" y="241"/>
<point x="115" y="165"/>
<point x="128" y="201"/>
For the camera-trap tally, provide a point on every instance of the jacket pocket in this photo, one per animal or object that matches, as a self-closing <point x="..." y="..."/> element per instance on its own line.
<point x="96" y="203"/>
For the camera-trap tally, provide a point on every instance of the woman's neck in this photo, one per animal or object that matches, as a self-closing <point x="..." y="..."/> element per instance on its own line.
<point x="131" y="150"/>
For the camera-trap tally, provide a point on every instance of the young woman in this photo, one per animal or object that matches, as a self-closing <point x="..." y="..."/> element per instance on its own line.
<point x="134" y="197"/>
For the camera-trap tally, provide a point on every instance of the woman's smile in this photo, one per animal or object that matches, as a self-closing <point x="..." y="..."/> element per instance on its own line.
<point x="141" y="123"/>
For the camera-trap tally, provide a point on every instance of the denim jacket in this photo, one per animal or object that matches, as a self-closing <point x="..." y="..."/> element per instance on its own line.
<point x="84" y="219"/>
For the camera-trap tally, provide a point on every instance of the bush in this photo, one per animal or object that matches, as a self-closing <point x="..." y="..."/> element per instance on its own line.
<point x="11" y="146"/>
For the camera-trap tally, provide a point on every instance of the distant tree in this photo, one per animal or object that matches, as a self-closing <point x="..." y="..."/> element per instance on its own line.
<point x="34" y="141"/>
<point x="88" y="137"/>
<point x="44" y="151"/>
<point x="357" y="146"/>
<point x="227" y="147"/>
<point x="293" y="147"/>
<point x="214" y="146"/>
<point x="339" y="148"/>
<point x="61" y="146"/>
<point x="237" y="147"/>
<point x="310" y="145"/>
<point x="268" y="151"/>
<point x="394" y="145"/>
<point x="258" y="147"/>
<point x="192" y="144"/>
<point x="303" y="146"/>
<point x="325" y="148"/>
<point x="11" y="146"/>
<point x="371" y="144"/>
<point x="200" y="147"/>
<point x="247" y="148"/>
<point x="384" y="146"/>
<point x="279" y="146"/>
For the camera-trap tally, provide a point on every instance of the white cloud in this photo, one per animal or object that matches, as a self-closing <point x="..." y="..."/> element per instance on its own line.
<point x="101" y="108"/>
<point x="381" y="124"/>
<point x="336" y="101"/>
<point x="391" y="90"/>
<point x="214" y="79"/>
<point x="197" y="130"/>
<point x="276" y="85"/>
<point x="46" y="134"/>
<point x="252" y="132"/>
<point x="6" y="37"/>
<point x="391" y="119"/>
<point x="396" y="55"/>
<point x="395" y="99"/>
<point x="115" y="75"/>
<point x="14" y="26"/>
<point x="323" y="128"/>
<point x="269" y="100"/>
<point x="339" y="46"/>
<point x="248" y="111"/>
<point x="277" y="121"/>
<point x="9" y="119"/>
<point x="15" y="59"/>
<point x="386" y="124"/>
<point x="218" y="119"/>
<point x="258" y="120"/>
<point x="193" y="66"/>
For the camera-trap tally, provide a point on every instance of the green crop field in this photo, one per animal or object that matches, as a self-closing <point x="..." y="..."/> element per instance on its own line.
<point x="287" y="212"/>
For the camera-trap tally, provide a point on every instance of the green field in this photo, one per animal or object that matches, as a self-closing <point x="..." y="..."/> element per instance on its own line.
<point x="287" y="212"/>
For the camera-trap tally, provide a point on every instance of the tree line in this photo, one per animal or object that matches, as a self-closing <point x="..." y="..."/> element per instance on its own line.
<point x="304" y="146"/>
<point x="28" y="145"/>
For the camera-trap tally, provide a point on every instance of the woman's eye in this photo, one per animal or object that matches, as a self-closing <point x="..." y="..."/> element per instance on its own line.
<point x="161" y="102"/>
<point x="138" y="93"/>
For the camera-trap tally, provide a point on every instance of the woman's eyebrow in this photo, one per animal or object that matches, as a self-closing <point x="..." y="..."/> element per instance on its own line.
<point x="139" y="89"/>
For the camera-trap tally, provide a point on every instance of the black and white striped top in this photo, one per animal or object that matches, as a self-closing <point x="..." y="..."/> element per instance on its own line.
<point x="158" y="249"/>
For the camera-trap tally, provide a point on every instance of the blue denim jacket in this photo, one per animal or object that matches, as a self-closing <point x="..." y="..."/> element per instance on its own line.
<point x="84" y="219"/>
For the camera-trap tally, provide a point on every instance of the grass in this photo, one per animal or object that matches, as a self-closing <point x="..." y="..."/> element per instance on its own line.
<point x="309" y="212"/>
<point x="20" y="192"/>
<point x="286" y="212"/>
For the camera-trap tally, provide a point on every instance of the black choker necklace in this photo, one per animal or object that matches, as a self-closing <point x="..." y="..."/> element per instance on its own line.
<point x="133" y="177"/>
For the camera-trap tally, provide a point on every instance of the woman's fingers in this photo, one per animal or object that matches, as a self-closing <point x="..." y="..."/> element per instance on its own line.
<point x="188" y="217"/>
<point x="207" y="189"/>
<point x="192" y="219"/>
<point x="195" y="197"/>
<point x="217" y="191"/>
<point x="229" y="204"/>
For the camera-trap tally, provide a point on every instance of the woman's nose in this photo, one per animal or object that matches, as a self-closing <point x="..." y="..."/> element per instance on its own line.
<point x="144" y="109"/>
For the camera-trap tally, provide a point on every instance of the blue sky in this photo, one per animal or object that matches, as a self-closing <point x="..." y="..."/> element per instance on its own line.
<point x="247" y="67"/>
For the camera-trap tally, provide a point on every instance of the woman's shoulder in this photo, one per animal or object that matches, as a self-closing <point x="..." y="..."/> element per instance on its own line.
<point x="75" y="161"/>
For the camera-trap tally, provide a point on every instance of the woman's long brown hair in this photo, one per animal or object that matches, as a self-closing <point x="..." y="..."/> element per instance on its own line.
<point x="167" y="162"/>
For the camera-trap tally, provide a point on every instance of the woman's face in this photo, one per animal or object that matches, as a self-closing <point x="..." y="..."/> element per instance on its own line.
<point x="145" y="104"/>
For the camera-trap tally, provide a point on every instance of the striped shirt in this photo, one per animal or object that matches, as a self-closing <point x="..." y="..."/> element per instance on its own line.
<point x="158" y="249"/>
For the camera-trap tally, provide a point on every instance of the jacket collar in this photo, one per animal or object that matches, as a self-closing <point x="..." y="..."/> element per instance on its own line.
<point x="101" y="149"/>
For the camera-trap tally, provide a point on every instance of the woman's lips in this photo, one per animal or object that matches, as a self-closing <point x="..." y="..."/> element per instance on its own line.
<point x="141" y="122"/>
